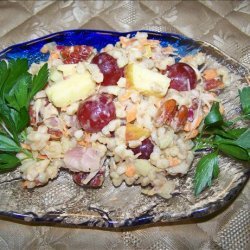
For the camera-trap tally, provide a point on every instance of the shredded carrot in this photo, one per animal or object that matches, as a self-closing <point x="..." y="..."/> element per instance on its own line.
<point x="25" y="146"/>
<point x="130" y="171"/>
<point x="192" y="134"/>
<point x="42" y="157"/>
<point x="54" y="56"/>
<point x="25" y="184"/>
<point x="173" y="161"/>
<point x="85" y="141"/>
<point x="196" y="122"/>
<point x="210" y="74"/>
<point x="126" y="41"/>
<point x="125" y="96"/>
<point x="145" y="41"/>
<point x="131" y="113"/>
<point x="187" y="126"/>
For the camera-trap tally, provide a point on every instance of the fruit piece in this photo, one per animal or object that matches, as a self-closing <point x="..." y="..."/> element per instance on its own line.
<point x="67" y="69"/>
<point x="146" y="148"/>
<point x="183" y="77"/>
<point x="146" y="81"/>
<point x="109" y="68"/>
<point x="96" y="112"/>
<point x="135" y="132"/>
<point x="56" y="76"/>
<point x="75" y="54"/>
<point x="76" y="87"/>
<point x="96" y="182"/>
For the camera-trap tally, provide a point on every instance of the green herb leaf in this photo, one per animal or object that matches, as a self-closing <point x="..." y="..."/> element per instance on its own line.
<point x="234" y="151"/>
<point x="20" y="118"/>
<point x="234" y="148"/>
<point x="16" y="69"/>
<point x="8" y="145"/>
<point x="236" y="132"/>
<point x="207" y="168"/>
<point x="8" y="162"/>
<point x="214" y="117"/>
<point x="216" y="171"/>
<point x="15" y="85"/>
<point x="40" y="80"/>
<point x="232" y="134"/>
<point x="11" y="101"/>
<point x="244" y="139"/>
<point x="227" y="123"/>
<point x="24" y="119"/>
<point x="245" y="100"/>
<point x="221" y="132"/>
<point x="23" y="135"/>
<point x="18" y="95"/>
<point x="21" y="90"/>
<point x="7" y="122"/>
<point x="3" y="74"/>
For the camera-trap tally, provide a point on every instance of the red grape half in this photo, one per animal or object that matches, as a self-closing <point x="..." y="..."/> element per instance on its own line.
<point x="109" y="68"/>
<point x="183" y="77"/>
<point x="96" y="112"/>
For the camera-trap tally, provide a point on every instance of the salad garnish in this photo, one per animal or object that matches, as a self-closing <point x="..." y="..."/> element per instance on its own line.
<point x="220" y="136"/>
<point x="17" y="88"/>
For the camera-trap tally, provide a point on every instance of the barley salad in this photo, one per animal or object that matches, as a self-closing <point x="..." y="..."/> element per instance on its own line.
<point x="130" y="110"/>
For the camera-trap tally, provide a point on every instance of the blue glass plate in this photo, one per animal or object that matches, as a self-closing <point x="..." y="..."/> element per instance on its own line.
<point x="62" y="201"/>
<point x="97" y="39"/>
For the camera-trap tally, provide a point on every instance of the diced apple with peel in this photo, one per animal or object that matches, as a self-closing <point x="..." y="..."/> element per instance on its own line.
<point x="146" y="81"/>
<point x="135" y="132"/>
<point x="76" y="87"/>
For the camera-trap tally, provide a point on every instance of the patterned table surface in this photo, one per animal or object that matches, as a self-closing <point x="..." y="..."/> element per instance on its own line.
<point x="225" y="24"/>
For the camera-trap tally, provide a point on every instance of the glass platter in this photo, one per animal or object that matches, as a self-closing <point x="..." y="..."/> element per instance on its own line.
<point x="63" y="202"/>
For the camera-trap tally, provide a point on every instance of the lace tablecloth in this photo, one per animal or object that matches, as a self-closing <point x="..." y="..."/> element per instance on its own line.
<point x="225" y="24"/>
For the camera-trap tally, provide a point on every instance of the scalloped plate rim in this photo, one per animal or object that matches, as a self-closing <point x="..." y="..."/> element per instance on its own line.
<point x="200" y="212"/>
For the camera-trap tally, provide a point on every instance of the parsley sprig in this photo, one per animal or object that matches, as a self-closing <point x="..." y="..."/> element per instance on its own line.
<point x="221" y="137"/>
<point x="17" y="88"/>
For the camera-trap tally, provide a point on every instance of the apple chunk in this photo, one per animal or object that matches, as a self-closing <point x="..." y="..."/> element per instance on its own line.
<point x="76" y="87"/>
<point x="146" y="81"/>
